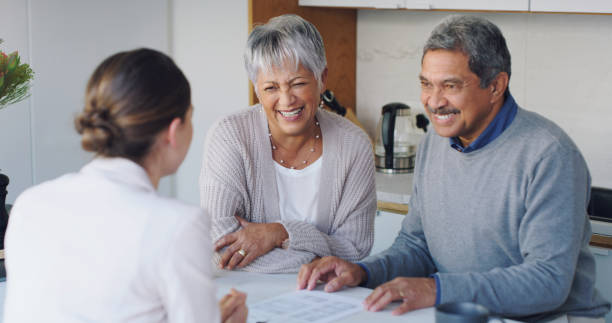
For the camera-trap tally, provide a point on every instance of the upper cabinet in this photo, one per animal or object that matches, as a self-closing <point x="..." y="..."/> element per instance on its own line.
<point x="488" y="5"/>
<point x="582" y="6"/>
<point x="568" y="6"/>
<point x="497" y="5"/>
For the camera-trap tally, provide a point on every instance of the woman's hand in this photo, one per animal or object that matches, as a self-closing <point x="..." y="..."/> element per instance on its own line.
<point x="254" y="240"/>
<point x="233" y="307"/>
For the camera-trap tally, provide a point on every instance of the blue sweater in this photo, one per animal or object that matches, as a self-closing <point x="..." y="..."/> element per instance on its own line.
<point x="504" y="226"/>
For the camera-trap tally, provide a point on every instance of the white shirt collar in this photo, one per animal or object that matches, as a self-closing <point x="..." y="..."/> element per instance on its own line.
<point x="120" y="170"/>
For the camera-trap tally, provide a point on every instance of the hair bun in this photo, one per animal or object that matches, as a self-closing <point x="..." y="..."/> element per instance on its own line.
<point x="98" y="130"/>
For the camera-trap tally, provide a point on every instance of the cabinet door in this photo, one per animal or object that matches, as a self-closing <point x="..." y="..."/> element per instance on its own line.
<point x="376" y="4"/>
<point x="603" y="268"/>
<point x="586" y="6"/>
<point x="488" y="5"/>
<point x="386" y="228"/>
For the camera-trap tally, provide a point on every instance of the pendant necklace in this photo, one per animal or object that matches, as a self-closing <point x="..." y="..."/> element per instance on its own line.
<point x="283" y="161"/>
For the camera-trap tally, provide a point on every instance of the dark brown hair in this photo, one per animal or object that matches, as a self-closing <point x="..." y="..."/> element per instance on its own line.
<point x="130" y="98"/>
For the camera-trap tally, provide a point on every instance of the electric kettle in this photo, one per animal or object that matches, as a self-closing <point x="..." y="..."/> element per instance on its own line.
<point x="397" y="137"/>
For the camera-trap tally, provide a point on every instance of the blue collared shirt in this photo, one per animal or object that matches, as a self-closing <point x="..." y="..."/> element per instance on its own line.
<point x="501" y="121"/>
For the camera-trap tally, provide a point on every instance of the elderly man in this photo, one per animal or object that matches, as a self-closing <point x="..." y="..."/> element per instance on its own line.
<point x="498" y="209"/>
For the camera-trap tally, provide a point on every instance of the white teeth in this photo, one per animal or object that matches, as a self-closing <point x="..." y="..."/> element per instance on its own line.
<point x="443" y="116"/>
<point x="289" y="114"/>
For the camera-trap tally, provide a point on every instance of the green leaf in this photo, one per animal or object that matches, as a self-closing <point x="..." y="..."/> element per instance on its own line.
<point x="13" y="62"/>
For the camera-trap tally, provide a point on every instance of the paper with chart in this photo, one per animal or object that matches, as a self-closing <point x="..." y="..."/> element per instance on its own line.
<point x="303" y="306"/>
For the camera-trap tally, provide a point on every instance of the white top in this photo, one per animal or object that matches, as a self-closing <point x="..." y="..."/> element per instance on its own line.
<point x="102" y="246"/>
<point x="298" y="191"/>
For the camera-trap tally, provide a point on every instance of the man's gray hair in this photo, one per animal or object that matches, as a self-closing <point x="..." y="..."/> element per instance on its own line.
<point x="285" y="39"/>
<point x="479" y="39"/>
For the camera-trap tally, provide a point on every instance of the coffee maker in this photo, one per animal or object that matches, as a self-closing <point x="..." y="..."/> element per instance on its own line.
<point x="397" y="135"/>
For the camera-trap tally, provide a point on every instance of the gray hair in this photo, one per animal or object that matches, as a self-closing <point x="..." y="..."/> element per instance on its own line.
<point x="285" y="39"/>
<point x="479" y="39"/>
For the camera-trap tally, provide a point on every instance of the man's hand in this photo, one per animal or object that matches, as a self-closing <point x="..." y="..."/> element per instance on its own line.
<point x="414" y="293"/>
<point x="233" y="307"/>
<point x="254" y="240"/>
<point x="332" y="270"/>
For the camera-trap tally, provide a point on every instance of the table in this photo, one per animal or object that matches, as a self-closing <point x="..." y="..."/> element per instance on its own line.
<point x="261" y="286"/>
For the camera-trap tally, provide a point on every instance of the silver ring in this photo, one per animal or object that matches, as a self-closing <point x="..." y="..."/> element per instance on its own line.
<point x="242" y="252"/>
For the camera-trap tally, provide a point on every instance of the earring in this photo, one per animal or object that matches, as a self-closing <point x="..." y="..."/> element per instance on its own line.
<point x="321" y="104"/>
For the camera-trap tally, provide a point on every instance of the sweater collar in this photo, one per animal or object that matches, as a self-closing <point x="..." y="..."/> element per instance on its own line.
<point x="120" y="170"/>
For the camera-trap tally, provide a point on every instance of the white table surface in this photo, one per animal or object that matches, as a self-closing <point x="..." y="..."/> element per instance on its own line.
<point x="261" y="286"/>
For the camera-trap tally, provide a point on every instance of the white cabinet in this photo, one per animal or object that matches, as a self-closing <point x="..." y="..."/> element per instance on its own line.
<point x="603" y="280"/>
<point x="488" y="5"/>
<point x="584" y="6"/>
<point x="386" y="227"/>
<point x="375" y="4"/>
<point x="499" y="5"/>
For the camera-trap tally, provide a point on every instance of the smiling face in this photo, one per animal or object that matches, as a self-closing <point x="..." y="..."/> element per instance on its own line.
<point x="290" y="99"/>
<point x="451" y="94"/>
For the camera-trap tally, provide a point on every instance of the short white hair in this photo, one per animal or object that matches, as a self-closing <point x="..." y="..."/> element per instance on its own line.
<point x="286" y="39"/>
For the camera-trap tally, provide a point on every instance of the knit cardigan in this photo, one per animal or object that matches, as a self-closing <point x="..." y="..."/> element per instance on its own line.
<point x="238" y="178"/>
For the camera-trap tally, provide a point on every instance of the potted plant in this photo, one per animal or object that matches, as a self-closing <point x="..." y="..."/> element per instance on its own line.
<point x="15" y="79"/>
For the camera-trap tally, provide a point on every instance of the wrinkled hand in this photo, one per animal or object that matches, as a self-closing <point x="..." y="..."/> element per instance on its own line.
<point x="233" y="307"/>
<point x="414" y="293"/>
<point x="255" y="239"/>
<point x="334" y="271"/>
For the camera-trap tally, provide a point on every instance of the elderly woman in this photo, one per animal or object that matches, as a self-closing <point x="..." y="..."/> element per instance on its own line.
<point x="286" y="181"/>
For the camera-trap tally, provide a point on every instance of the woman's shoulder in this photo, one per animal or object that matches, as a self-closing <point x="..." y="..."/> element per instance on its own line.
<point x="238" y="123"/>
<point x="342" y="129"/>
<point x="50" y="190"/>
<point x="243" y="116"/>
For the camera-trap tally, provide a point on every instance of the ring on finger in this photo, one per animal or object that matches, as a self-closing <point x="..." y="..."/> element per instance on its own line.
<point x="242" y="252"/>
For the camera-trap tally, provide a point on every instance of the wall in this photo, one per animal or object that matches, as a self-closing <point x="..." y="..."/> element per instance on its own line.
<point x="15" y="127"/>
<point x="560" y="69"/>
<point x="63" y="41"/>
<point x="208" y="42"/>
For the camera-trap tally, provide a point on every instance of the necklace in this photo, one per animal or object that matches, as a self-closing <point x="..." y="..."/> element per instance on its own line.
<point x="277" y="149"/>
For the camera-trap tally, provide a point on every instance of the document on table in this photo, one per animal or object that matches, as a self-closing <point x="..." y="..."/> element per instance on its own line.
<point x="303" y="306"/>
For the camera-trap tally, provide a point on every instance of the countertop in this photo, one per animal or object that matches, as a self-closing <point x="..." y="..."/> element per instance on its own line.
<point x="393" y="192"/>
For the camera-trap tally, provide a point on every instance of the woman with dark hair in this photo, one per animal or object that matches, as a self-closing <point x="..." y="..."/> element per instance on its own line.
<point x="101" y="245"/>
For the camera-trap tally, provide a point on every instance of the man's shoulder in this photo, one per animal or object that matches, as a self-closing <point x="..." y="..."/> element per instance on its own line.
<point x="533" y="129"/>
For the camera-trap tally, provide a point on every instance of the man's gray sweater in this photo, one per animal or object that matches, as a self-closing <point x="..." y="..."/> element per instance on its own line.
<point x="504" y="226"/>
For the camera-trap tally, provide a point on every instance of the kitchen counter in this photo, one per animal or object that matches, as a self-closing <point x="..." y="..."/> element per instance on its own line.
<point x="393" y="192"/>
<point x="602" y="234"/>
